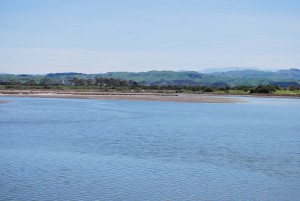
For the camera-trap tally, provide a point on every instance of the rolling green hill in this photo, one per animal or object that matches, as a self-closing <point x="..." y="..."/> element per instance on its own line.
<point x="190" y="78"/>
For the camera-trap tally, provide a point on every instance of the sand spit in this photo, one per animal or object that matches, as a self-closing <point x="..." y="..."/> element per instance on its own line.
<point x="167" y="97"/>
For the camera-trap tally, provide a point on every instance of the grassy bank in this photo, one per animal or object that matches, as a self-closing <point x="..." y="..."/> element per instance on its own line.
<point x="178" y="90"/>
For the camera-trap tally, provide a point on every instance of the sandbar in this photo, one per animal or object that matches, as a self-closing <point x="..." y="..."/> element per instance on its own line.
<point x="167" y="97"/>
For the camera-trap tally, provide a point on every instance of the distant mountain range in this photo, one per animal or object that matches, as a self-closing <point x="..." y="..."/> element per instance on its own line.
<point x="235" y="77"/>
<point x="231" y="78"/>
<point x="225" y="69"/>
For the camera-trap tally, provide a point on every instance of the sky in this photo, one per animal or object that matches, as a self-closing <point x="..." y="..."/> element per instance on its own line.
<point x="96" y="36"/>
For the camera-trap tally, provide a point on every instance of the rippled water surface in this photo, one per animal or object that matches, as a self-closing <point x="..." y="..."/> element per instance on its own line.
<point x="76" y="149"/>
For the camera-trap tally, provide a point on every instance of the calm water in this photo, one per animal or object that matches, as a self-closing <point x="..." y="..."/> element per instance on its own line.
<point x="73" y="149"/>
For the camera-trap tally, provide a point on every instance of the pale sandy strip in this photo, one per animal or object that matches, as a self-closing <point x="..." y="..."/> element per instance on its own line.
<point x="197" y="98"/>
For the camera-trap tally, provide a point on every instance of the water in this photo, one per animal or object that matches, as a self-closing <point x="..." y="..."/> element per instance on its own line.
<point x="77" y="149"/>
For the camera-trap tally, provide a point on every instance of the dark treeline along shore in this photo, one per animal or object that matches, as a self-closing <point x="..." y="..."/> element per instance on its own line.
<point x="284" y="82"/>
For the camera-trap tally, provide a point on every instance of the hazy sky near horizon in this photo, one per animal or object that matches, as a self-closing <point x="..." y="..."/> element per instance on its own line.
<point x="93" y="36"/>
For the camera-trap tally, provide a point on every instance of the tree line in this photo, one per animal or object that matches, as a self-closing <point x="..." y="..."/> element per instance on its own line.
<point x="75" y="81"/>
<point x="119" y="84"/>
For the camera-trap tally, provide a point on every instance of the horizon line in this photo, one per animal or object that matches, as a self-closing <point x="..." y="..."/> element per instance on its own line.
<point x="200" y="71"/>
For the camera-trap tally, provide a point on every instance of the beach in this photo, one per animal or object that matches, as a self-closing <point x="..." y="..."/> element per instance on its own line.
<point x="168" y="97"/>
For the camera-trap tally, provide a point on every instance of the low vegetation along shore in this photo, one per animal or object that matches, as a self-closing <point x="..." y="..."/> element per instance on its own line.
<point x="118" y="89"/>
<point x="121" y="86"/>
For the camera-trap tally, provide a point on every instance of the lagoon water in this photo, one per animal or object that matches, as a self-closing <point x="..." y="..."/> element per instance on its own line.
<point x="79" y="149"/>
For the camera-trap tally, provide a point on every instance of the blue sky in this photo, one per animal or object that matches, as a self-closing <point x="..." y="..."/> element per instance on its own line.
<point x="92" y="36"/>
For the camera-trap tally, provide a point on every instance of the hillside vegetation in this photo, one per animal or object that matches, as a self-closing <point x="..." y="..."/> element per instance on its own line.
<point x="282" y="78"/>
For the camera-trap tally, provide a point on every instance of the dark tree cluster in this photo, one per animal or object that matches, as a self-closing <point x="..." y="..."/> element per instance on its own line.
<point x="101" y="81"/>
<point x="46" y="82"/>
<point x="264" y="89"/>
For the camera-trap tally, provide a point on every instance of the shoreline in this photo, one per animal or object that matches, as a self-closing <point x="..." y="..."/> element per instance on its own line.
<point x="259" y="95"/>
<point x="139" y="96"/>
<point x="164" y="97"/>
